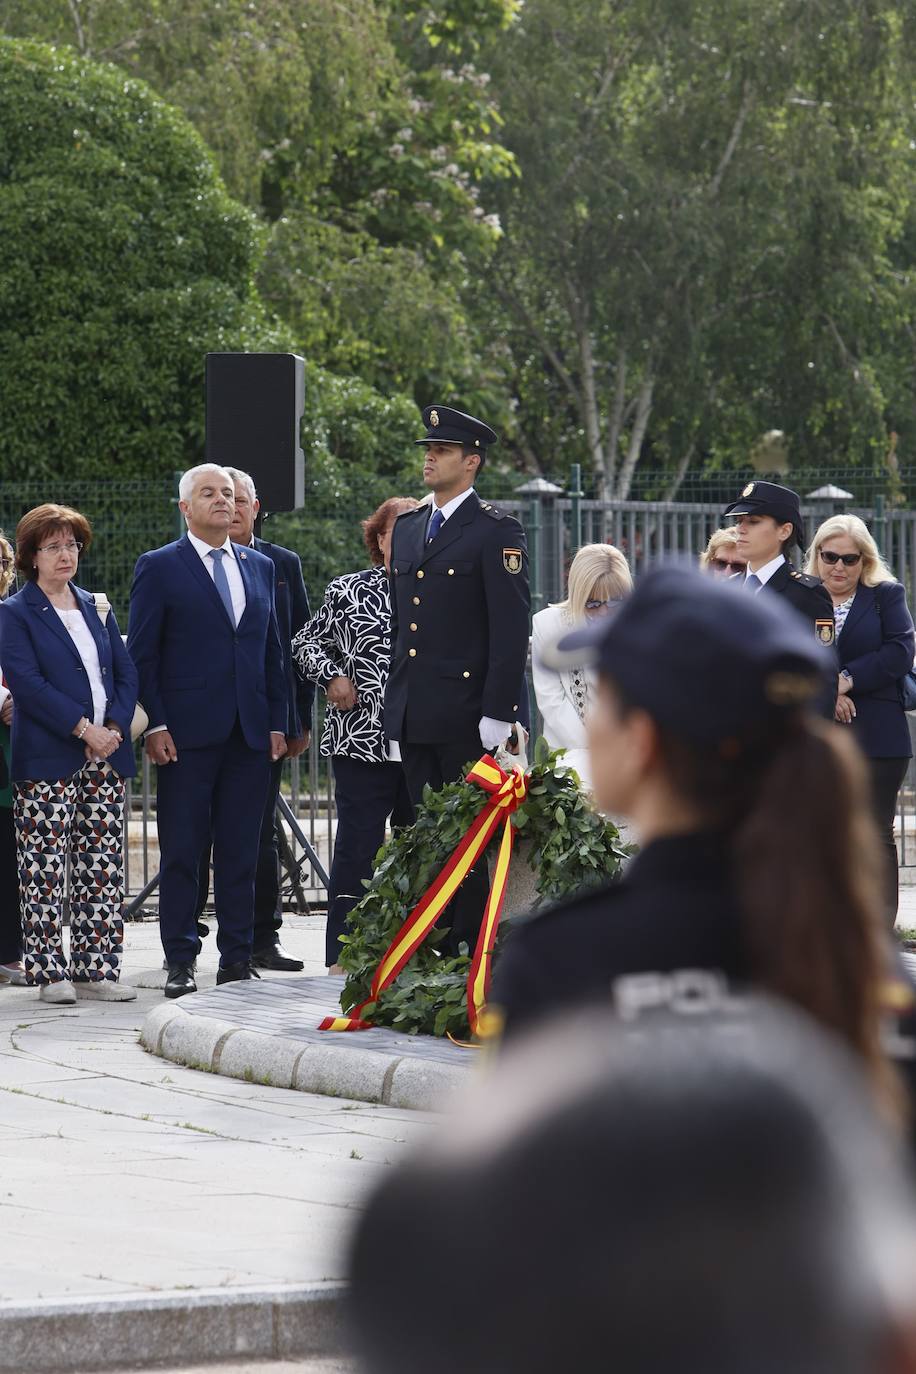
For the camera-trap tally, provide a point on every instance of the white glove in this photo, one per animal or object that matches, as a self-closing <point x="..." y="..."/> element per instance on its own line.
<point x="493" y="732"/>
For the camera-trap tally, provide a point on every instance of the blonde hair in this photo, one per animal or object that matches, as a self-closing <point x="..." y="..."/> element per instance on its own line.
<point x="874" y="568"/>
<point x="717" y="540"/>
<point x="7" y="574"/>
<point x="598" y="570"/>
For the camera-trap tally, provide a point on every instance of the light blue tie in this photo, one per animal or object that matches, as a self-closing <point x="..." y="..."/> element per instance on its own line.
<point x="222" y="581"/>
<point x="435" y="525"/>
<point x="752" y="583"/>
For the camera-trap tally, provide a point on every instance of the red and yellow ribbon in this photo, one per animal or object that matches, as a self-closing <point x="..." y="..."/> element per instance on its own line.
<point x="507" y="791"/>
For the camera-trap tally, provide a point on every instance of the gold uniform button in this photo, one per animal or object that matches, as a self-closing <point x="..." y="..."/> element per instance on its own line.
<point x="412" y="653"/>
<point x="416" y="601"/>
<point x="451" y="572"/>
<point x="420" y="573"/>
<point x="412" y="625"/>
<point x="465" y="674"/>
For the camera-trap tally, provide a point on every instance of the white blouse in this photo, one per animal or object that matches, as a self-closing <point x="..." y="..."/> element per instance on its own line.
<point x="79" y="632"/>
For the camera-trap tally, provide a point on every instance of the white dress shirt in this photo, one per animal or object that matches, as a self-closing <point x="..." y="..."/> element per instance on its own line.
<point x="86" y="647"/>
<point x="450" y="506"/>
<point x="233" y="576"/>
<point x="764" y="574"/>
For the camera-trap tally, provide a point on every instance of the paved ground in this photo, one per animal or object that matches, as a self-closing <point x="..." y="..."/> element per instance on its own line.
<point x="120" y="1173"/>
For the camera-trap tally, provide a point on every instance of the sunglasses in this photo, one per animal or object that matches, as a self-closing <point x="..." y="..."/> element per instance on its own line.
<point x="6" y="563"/>
<point x="725" y="566"/>
<point x="599" y="605"/>
<point x="848" y="559"/>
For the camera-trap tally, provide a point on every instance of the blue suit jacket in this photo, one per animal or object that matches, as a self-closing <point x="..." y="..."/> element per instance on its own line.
<point x="51" y="689"/>
<point x="876" y="646"/>
<point x="292" y="605"/>
<point x="198" y="671"/>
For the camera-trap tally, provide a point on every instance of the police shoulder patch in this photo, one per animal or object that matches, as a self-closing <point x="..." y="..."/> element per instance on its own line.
<point x="512" y="560"/>
<point x="825" y="630"/>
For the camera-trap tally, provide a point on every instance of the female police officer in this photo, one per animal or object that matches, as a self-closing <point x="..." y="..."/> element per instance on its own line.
<point x="759" y="857"/>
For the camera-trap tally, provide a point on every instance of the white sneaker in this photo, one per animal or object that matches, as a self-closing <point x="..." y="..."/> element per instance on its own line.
<point x="62" y="993"/>
<point x="105" y="991"/>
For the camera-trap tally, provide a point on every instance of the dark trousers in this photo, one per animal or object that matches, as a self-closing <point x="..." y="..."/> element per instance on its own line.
<point x="366" y="794"/>
<point x="268" y="915"/>
<point x="438" y="764"/>
<point x="218" y="790"/>
<point x="10" y="911"/>
<point x="886" y="778"/>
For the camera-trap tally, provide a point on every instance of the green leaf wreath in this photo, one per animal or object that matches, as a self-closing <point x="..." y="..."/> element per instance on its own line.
<point x="570" y="848"/>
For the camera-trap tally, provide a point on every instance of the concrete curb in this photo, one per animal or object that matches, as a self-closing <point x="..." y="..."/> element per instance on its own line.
<point x="362" y="1074"/>
<point x="172" y="1328"/>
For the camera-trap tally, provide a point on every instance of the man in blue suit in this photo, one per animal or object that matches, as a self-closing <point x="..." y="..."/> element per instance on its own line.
<point x="292" y="604"/>
<point x="203" y="635"/>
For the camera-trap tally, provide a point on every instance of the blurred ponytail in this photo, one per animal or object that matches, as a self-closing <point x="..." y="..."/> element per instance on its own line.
<point x="804" y="857"/>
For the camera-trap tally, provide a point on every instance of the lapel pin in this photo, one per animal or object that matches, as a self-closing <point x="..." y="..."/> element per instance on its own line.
<point x="242" y="553"/>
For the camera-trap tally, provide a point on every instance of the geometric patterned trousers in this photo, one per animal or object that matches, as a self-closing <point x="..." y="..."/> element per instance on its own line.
<point x="79" y="817"/>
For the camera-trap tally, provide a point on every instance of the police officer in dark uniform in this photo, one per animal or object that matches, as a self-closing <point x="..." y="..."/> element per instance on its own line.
<point x="460" y="603"/>
<point x="768" y="524"/>
<point x="750" y="812"/>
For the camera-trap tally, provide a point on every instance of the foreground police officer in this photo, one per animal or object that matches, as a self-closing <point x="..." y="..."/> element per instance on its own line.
<point x="759" y="858"/>
<point x="459" y="596"/>
<point x="768" y="524"/>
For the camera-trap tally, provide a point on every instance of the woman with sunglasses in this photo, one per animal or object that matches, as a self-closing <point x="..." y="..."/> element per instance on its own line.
<point x="874" y="638"/>
<point x="599" y="579"/>
<point x="721" y="558"/>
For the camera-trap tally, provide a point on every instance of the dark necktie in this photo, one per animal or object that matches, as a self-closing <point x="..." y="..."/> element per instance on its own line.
<point x="222" y="581"/>
<point x="752" y="583"/>
<point x="436" y="522"/>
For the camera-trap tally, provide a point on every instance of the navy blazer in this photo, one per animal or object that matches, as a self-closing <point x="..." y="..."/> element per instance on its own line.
<point x="876" y="646"/>
<point x="199" y="673"/>
<point x="292" y="604"/>
<point x="51" y="689"/>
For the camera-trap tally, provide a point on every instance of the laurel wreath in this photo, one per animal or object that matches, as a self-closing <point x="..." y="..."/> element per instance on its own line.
<point x="569" y="846"/>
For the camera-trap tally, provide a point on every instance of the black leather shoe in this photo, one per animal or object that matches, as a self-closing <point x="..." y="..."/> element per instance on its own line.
<point x="235" y="973"/>
<point x="275" y="957"/>
<point x="180" y="980"/>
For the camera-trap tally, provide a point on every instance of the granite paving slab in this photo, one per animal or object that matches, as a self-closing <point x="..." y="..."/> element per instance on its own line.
<point x="266" y="1031"/>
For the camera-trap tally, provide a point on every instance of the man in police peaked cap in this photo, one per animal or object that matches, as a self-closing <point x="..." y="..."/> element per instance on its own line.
<point x="459" y="595"/>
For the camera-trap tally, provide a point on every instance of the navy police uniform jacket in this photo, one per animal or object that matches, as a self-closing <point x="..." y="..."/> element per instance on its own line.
<point x="459" y="623"/>
<point x="292" y="607"/>
<point x="810" y="598"/>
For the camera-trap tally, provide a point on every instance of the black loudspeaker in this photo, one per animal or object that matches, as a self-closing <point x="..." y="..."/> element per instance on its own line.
<point x="255" y="402"/>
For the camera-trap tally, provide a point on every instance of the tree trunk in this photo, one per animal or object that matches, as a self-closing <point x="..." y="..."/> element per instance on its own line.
<point x="591" y="416"/>
<point x="637" y="435"/>
<point x="680" y="473"/>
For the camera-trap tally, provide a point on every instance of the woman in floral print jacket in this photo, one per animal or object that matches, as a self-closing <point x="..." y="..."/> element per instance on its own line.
<point x="346" y="649"/>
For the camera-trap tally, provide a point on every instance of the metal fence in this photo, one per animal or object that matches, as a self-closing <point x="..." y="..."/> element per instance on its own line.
<point x="129" y="517"/>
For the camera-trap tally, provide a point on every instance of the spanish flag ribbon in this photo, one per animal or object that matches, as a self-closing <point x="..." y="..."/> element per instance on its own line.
<point x="507" y="791"/>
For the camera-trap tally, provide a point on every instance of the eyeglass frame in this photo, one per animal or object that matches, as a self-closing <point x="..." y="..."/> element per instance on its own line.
<point x="726" y="565"/>
<point x="849" y="560"/>
<point x="593" y="605"/>
<point x="60" y="548"/>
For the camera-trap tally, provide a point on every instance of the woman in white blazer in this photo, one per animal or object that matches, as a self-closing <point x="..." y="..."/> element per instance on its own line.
<point x="599" y="579"/>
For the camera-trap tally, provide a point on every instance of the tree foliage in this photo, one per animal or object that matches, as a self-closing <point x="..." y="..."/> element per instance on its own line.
<point x="702" y="242"/>
<point x="124" y="261"/>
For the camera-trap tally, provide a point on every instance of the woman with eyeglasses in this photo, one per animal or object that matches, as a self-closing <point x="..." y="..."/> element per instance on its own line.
<point x="875" y="642"/>
<point x="599" y="579"/>
<point x="75" y="690"/>
<point x="721" y="558"/>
